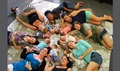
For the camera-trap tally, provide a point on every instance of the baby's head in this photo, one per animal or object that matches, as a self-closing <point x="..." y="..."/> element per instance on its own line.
<point x="42" y="28"/>
<point x="47" y="40"/>
<point x="59" y="42"/>
<point x="62" y="33"/>
<point x="56" y="31"/>
<point x="63" y="38"/>
<point x="46" y="35"/>
<point x="54" y="46"/>
<point x="52" y="31"/>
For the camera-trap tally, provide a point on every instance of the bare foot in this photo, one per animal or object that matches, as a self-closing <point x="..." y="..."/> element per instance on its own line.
<point x="108" y="17"/>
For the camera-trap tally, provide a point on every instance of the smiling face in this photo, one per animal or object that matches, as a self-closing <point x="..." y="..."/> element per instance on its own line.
<point x="44" y="51"/>
<point x="32" y="40"/>
<point x="64" y="60"/>
<point x="67" y="18"/>
<point x="77" y="26"/>
<point x="50" y="16"/>
<point x="71" y="45"/>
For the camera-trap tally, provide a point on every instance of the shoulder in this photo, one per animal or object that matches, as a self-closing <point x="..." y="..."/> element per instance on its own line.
<point x="69" y="69"/>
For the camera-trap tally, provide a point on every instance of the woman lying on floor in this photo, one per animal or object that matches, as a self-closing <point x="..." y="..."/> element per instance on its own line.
<point x="21" y="39"/>
<point x="97" y="33"/>
<point x="34" y="59"/>
<point x="85" y="16"/>
<point x="64" y="6"/>
<point x="36" y="20"/>
<point x="65" y="65"/>
<point x="83" y="50"/>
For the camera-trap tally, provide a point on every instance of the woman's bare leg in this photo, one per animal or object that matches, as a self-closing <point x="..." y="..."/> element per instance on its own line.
<point x="108" y="42"/>
<point x="92" y="66"/>
<point x="26" y="24"/>
<point x="94" y="22"/>
<point x="100" y="19"/>
<point x="28" y="13"/>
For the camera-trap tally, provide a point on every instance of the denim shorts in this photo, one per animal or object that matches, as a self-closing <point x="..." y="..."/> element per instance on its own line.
<point x="104" y="32"/>
<point x="96" y="57"/>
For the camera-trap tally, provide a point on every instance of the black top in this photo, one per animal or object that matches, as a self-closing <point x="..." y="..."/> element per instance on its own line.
<point x="58" y="11"/>
<point x="59" y="69"/>
<point x="33" y="17"/>
<point x="80" y="17"/>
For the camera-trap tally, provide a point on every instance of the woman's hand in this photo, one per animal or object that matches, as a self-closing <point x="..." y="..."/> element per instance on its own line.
<point x="28" y="66"/>
<point x="81" y="57"/>
<point x="28" y="48"/>
<point x="48" y="57"/>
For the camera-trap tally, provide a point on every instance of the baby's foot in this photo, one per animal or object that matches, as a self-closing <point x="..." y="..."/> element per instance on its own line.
<point x="18" y="19"/>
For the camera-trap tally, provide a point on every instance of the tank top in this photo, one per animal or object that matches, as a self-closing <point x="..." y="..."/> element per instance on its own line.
<point x="80" y="17"/>
<point x="33" y="17"/>
<point x="59" y="69"/>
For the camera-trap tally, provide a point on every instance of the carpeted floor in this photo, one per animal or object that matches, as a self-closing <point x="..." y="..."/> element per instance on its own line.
<point x="99" y="10"/>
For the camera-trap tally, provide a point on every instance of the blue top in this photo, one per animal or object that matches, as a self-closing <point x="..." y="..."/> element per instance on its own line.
<point x="41" y="45"/>
<point x="82" y="47"/>
<point x="20" y="66"/>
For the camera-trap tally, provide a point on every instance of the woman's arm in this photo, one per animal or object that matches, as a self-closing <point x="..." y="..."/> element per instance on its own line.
<point x="86" y="53"/>
<point x="40" y="15"/>
<point x="26" y="24"/>
<point x="87" y="45"/>
<point x="72" y="32"/>
<point x="75" y="12"/>
<point x="28" y="66"/>
<point x="15" y="45"/>
<point x="89" y="34"/>
<point x="28" y="13"/>
<point x="47" y="68"/>
<point x="69" y="10"/>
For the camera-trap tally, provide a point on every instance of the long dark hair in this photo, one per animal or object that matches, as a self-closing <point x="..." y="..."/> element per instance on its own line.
<point x="70" y="64"/>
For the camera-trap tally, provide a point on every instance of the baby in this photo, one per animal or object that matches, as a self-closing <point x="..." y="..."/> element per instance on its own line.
<point x="68" y="38"/>
<point x="56" y="31"/>
<point x="42" y="35"/>
<point x="42" y="44"/>
<point x="52" y="31"/>
<point x="54" y="53"/>
<point x="65" y="30"/>
<point x="64" y="46"/>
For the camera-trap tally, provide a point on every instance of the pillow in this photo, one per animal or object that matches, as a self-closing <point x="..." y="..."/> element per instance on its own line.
<point x="26" y="9"/>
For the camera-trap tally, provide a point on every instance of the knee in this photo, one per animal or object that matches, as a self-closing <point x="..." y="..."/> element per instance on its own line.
<point x="110" y="46"/>
<point x="98" y="23"/>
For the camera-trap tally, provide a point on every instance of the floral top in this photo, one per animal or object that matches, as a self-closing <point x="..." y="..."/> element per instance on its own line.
<point x="18" y="38"/>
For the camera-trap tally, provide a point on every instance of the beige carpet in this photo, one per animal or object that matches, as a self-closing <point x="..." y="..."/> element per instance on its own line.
<point x="13" y="54"/>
